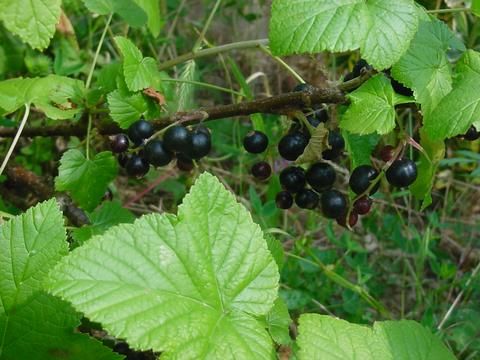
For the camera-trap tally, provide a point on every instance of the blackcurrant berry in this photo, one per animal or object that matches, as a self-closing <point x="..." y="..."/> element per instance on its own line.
<point x="303" y="87"/>
<point x="255" y="142"/>
<point x="184" y="163"/>
<point x="119" y="143"/>
<point x="139" y="131"/>
<point x="307" y="199"/>
<point x="361" y="178"/>
<point x="177" y="139"/>
<point x="292" y="145"/>
<point x="284" y="200"/>
<point x="137" y="166"/>
<point x="402" y="173"/>
<point x="293" y="179"/>
<point x="321" y="176"/>
<point x="156" y="154"/>
<point x="387" y="153"/>
<point x="337" y="144"/>
<point x="261" y="170"/>
<point x="363" y="205"/>
<point x="352" y="219"/>
<point x="317" y="117"/>
<point x="472" y="134"/>
<point x="200" y="145"/>
<point x="123" y="158"/>
<point x="334" y="204"/>
<point x="360" y="67"/>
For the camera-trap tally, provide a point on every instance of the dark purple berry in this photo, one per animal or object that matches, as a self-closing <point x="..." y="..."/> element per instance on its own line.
<point x="352" y="219"/>
<point x="361" y="179"/>
<point x="363" y="205"/>
<point x="119" y="143"/>
<point x="137" y="166"/>
<point x="292" y="145"/>
<point x="139" y="131"/>
<point x="321" y="176"/>
<point x="261" y="170"/>
<point x="334" y="204"/>
<point x="337" y="145"/>
<point x="156" y="154"/>
<point x="255" y="142"/>
<point x="292" y="179"/>
<point x="284" y="200"/>
<point x="307" y="199"/>
<point x="177" y="139"/>
<point x="200" y="145"/>
<point x="402" y="173"/>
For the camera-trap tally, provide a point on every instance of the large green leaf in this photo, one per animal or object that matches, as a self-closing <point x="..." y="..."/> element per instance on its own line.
<point x="325" y="337"/>
<point x="155" y="19"/>
<point x="132" y="13"/>
<point x="476" y="7"/>
<point x="191" y="285"/>
<point x="372" y="108"/>
<point x="139" y="72"/>
<point x="33" y="21"/>
<point x="33" y="324"/>
<point x="425" y="67"/>
<point x="382" y="29"/>
<point x="460" y="108"/>
<point x="360" y="148"/>
<point x="86" y="179"/>
<point x="126" y="109"/>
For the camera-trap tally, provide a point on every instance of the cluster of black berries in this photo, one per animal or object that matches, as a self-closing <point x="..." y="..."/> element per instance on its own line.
<point x="178" y="142"/>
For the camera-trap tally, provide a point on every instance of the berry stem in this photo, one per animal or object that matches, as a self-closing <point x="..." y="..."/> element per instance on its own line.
<point x="282" y="63"/>
<point x="89" y="130"/>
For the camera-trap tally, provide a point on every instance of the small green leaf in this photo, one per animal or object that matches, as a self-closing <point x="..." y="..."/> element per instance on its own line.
<point x="191" y="286"/>
<point x="324" y="337"/>
<point x="139" y="72"/>
<point x="86" y="180"/>
<point x="278" y="321"/>
<point x="125" y="109"/>
<point x="372" y="109"/>
<point x="460" y="108"/>
<point x="110" y="214"/>
<point x="317" y="144"/>
<point x="360" y="148"/>
<point x="133" y="14"/>
<point x="33" y="21"/>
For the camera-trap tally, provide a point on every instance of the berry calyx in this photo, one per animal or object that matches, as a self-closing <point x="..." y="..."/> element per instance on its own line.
<point x="156" y="154"/>
<point x="292" y="179"/>
<point x="363" y="205"/>
<point x="200" y="144"/>
<point x="119" y="143"/>
<point x="255" y="142"/>
<point x="284" y="200"/>
<point x="177" y="139"/>
<point x="472" y="134"/>
<point x="291" y="146"/>
<point x="261" y="170"/>
<point x="334" y="204"/>
<point x="137" y="166"/>
<point x="139" y="131"/>
<point x="321" y="176"/>
<point x="307" y="199"/>
<point x="337" y="144"/>
<point x="402" y="173"/>
<point x="361" y="179"/>
<point x="387" y="153"/>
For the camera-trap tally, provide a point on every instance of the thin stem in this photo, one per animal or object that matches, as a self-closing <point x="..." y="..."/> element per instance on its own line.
<point x="16" y="138"/>
<point x="97" y="53"/>
<point x="89" y="130"/>
<point x="199" y="41"/>
<point x="210" y="86"/>
<point x="447" y="11"/>
<point x="213" y="51"/>
<point x="283" y="64"/>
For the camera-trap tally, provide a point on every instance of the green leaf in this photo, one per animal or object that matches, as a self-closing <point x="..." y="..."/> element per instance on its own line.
<point x="325" y="337"/>
<point x="278" y="322"/>
<point x="86" y="180"/>
<point x="34" y="325"/>
<point x="435" y="151"/>
<point x="460" y="108"/>
<point x="360" y="148"/>
<point x="155" y="19"/>
<point x="33" y="21"/>
<point x="126" y="109"/>
<point x="190" y="286"/>
<point x="317" y="144"/>
<point x="476" y="7"/>
<point x="425" y="67"/>
<point x="110" y="214"/>
<point x="276" y="249"/>
<point x="139" y="72"/>
<point x="372" y="109"/>
<point x="133" y="14"/>
<point x="382" y="29"/>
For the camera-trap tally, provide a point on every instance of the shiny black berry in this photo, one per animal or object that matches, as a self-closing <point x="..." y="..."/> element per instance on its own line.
<point x="177" y="139"/>
<point x="321" y="176"/>
<point x="137" y="166"/>
<point x="292" y="145"/>
<point x="363" y="205"/>
<point x="292" y="179"/>
<point x="307" y="199"/>
<point x="284" y="200"/>
<point x="119" y="143"/>
<point x="402" y="173"/>
<point x="184" y="163"/>
<point x="361" y="178"/>
<point x="255" y="142"/>
<point x="200" y="144"/>
<point x="261" y="170"/>
<point x="123" y="158"/>
<point x="334" y="204"/>
<point x="156" y="154"/>
<point x="472" y="134"/>
<point x="139" y="131"/>
<point x="337" y="144"/>
<point x="318" y="116"/>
